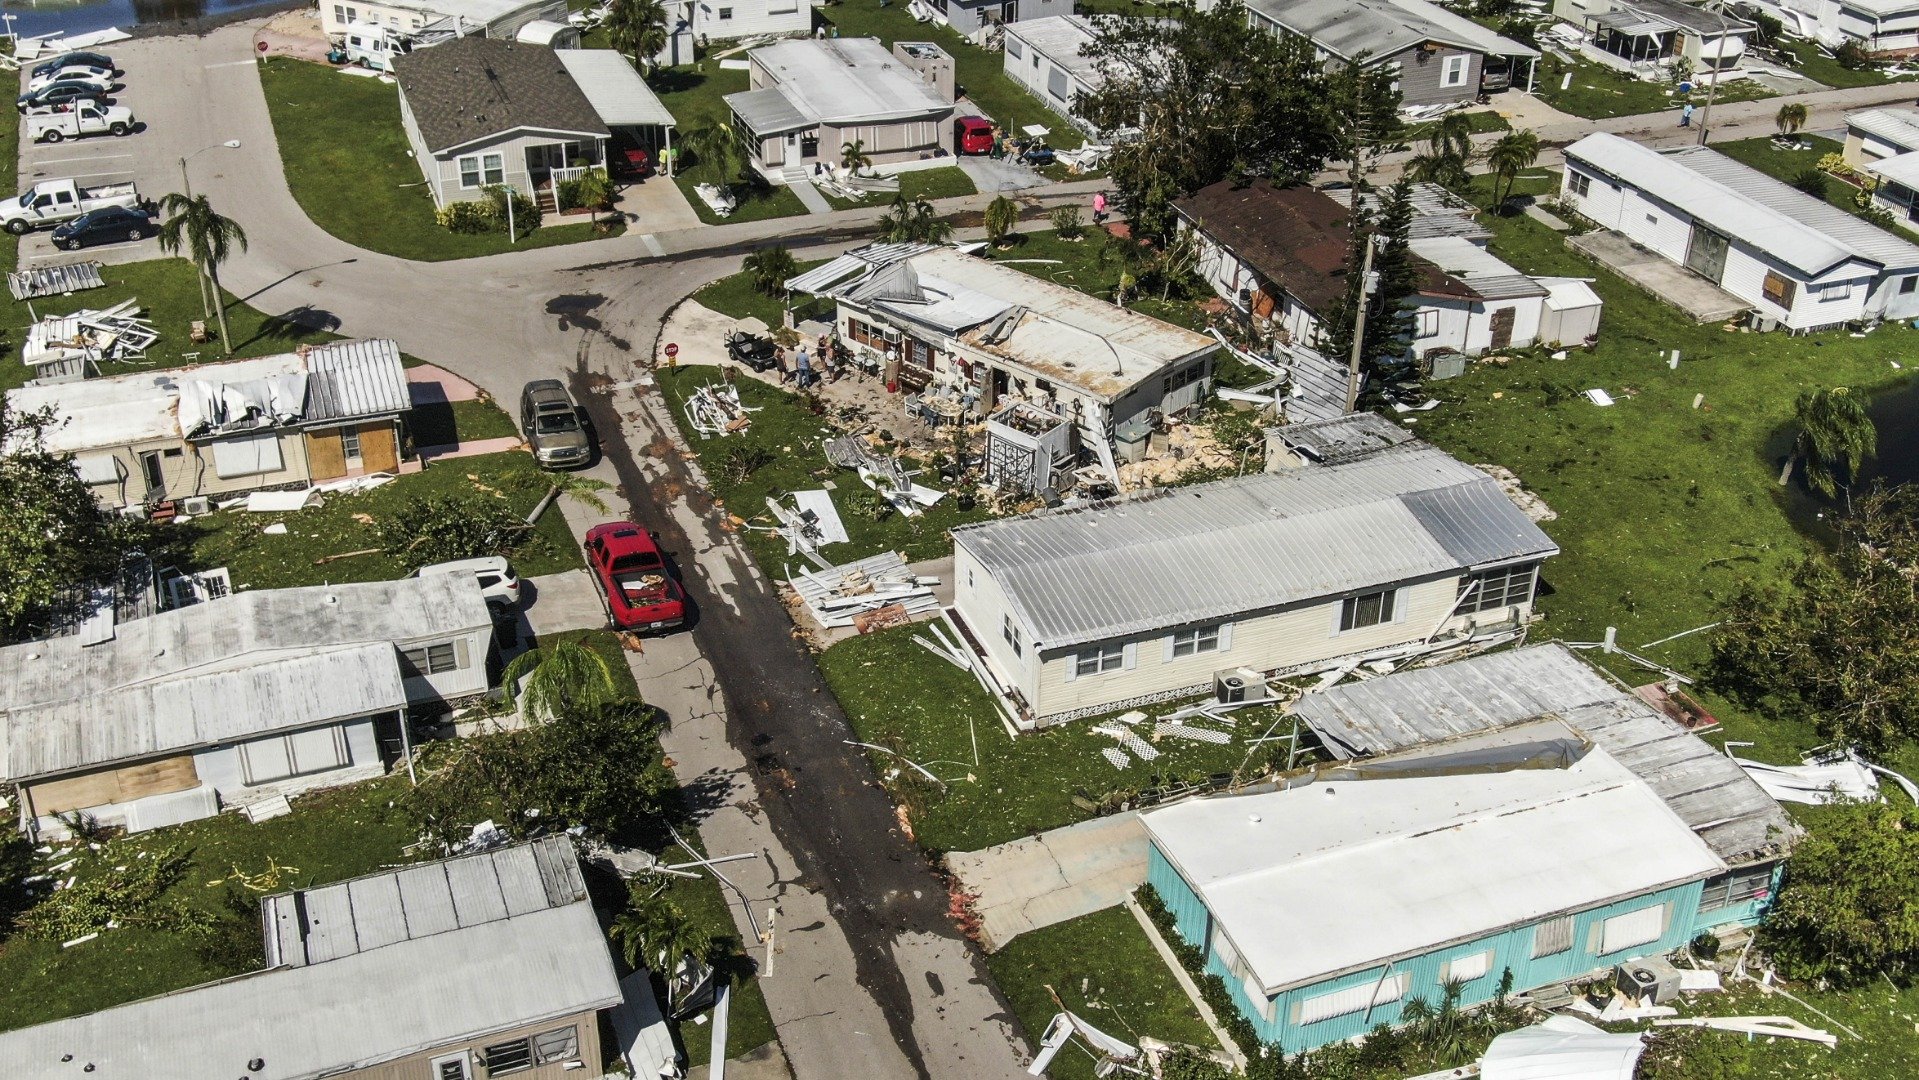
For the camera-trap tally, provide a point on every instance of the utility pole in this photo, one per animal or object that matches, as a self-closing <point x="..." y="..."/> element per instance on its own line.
<point x="1359" y="325"/>
<point x="1719" y="57"/>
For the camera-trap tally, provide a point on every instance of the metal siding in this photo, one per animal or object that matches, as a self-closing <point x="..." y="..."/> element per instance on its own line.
<point x="1188" y="911"/>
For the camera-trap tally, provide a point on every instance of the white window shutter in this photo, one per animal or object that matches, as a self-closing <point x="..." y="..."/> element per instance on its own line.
<point x="1225" y="637"/>
<point x="1166" y="649"/>
<point x="1130" y="656"/>
<point x="1338" y="609"/>
<point x="1400" y="597"/>
<point x="1072" y="666"/>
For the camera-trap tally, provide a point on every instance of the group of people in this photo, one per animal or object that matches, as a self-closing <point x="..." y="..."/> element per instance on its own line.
<point x="806" y="369"/>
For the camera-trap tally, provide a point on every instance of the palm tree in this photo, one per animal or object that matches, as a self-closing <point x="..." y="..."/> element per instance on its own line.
<point x="208" y="239"/>
<point x="1514" y="151"/>
<point x="638" y="28"/>
<point x="1452" y="136"/>
<point x="1443" y="169"/>
<point x="1836" y="436"/>
<point x="1790" y="118"/>
<point x="596" y="192"/>
<point x="1002" y="214"/>
<point x="914" y="222"/>
<point x="566" y="677"/>
<point x="853" y="156"/>
<point x="771" y="267"/>
<point x="655" y="935"/>
<point x="712" y="142"/>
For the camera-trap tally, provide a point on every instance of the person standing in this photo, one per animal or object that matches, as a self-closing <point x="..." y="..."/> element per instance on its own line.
<point x="802" y="369"/>
<point x="1099" y="208"/>
<point x="1685" y="115"/>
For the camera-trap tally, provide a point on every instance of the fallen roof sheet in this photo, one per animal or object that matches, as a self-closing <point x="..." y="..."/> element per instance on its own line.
<point x="1487" y="275"/>
<point x="54" y="280"/>
<point x="1562" y="1048"/>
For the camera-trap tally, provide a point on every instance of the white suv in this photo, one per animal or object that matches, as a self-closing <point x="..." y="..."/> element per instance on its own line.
<point x="498" y="583"/>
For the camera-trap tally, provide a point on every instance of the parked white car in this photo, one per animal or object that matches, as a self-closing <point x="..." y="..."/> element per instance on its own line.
<point x="498" y="583"/>
<point x="91" y="74"/>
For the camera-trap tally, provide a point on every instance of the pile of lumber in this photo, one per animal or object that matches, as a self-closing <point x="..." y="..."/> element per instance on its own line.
<point x="844" y="595"/>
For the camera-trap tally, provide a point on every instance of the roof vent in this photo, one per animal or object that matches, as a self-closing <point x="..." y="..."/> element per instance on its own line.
<point x="1252" y="819"/>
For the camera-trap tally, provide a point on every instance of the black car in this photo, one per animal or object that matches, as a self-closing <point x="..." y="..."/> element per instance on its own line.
<point x="754" y="351"/>
<point x="62" y="93"/>
<point x="93" y="59"/>
<point x="107" y="225"/>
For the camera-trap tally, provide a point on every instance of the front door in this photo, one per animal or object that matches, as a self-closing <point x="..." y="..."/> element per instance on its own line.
<point x="1706" y="256"/>
<point x="1503" y="327"/>
<point x="153" y="474"/>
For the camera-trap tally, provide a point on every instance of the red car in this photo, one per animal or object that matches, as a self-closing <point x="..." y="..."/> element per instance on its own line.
<point x="626" y="565"/>
<point x="973" y="135"/>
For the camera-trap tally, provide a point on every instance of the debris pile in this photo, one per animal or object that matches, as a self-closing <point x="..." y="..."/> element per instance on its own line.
<point x="54" y="280"/>
<point x="838" y="595"/>
<point x="717" y="410"/>
<point x="63" y="347"/>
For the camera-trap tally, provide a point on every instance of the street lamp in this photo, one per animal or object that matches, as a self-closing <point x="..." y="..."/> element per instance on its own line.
<point x="187" y="181"/>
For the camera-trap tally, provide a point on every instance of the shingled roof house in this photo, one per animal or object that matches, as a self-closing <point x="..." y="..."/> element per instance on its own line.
<point x="480" y="112"/>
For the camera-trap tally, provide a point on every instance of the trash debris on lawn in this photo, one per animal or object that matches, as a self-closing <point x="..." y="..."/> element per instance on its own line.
<point x="62" y="347"/>
<point x="275" y="502"/>
<point x="1824" y="777"/>
<point x="267" y="809"/>
<point x="717" y="410"/>
<point x="720" y="201"/>
<point x="1084" y="159"/>
<point x="883" y="473"/>
<point x="355" y="484"/>
<point x="847" y="184"/>
<point x="1183" y="731"/>
<point x="54" y="280"/>
<point x="1781" y="1026"/>
<point x="1103" y="1047"/>
<point x="837" y="594"/>
<point x="811" y="523"/>
<point x="1118" y="758"/>
<point x="1598" y="397"/>
<point x="936" y="642"/>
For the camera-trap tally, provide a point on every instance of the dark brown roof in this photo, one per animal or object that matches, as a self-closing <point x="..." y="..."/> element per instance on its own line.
<point x="1295" y="237"/>
<point x="474" y="88"/>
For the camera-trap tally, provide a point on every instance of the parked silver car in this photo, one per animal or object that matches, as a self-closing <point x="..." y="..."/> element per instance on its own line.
<point x="551" y="423"/>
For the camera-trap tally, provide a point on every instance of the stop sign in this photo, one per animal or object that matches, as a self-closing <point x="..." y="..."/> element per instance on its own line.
<point x="672" y="350"/>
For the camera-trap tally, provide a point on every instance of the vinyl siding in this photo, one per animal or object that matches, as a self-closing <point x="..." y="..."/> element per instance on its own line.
<point x="420" y="1066"/>
<point x="470" y="677"/>
<point x="752" y="18"/>
<point x="981" y="601"/>
<point x="1421" y="74"/>
<point x="191" y="472"/>
<point x="1466" y="326"/>
<point x="1035" y="78"/>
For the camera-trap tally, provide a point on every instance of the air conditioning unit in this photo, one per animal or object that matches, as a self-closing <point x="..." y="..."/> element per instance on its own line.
<point x="1651" y="981"/>
<point x="1236" y="686"/>
<point x="197" y="505"/>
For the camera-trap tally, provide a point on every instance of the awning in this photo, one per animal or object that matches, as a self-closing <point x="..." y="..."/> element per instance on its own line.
<point x="1633" y="24"/>
<point x="617" y="92"/>
<point x="768" y="111"/>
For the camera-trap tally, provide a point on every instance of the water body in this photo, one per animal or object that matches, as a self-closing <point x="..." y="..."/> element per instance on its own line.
<point x="47" y="16"/>
<point x="1896" y="414"/>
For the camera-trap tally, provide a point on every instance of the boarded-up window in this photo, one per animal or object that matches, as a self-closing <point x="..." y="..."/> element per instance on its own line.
<point x="1632" y="928"/>
<point x="1056" y="84"/>
<point x="247" y="456"/>
<point x="1778" y="290"/>
<point x="1552" y="937"/>
<point x="1369" y="994"/>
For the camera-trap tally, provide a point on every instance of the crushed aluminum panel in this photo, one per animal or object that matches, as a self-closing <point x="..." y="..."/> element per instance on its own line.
<point x="645" y="1041"/>
<point x="820" y="503"/>
<point x="54" y="280"/>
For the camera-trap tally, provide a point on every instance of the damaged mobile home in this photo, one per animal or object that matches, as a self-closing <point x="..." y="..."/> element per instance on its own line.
<point x="170" y="717"/>
<point x="1373" y="544"/>
<point x="286" y="421"/>
<point x="1513" y="812"/>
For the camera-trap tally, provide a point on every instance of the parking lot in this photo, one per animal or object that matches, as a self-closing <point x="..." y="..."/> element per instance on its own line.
<point x="172" y="119"/>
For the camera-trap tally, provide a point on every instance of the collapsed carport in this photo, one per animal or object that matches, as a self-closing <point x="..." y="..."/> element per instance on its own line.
<point x="624" y="102"/>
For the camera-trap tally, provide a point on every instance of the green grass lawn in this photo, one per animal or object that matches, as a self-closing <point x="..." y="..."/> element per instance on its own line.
<point x="735" y="295"/>
<point x="1480" y="121"/>
<point x="329" y="836"/>
<point x="1105" y="969"/>
<point x="1598" y="91"/>
<point x="904" y="698"/>
<point x="1815" y="65"/>
<point x="234" y="538"/>
<point x="349" y="166"/>
<point x="792" y="436"/>
<point x="945" y="182"/>
<point x="1761" y="154"/>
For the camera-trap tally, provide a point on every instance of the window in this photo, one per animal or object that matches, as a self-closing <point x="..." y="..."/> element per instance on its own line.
<point x="429" y="659"/>
<point x="1426" y="322"/>
<point x="350" y="443"/>
<point x="1185" y="376"/>
<point x="1056" y="84"/>
<point x="1778" y="290"/>
<point x="1494" y="589"/>
<point x="1908" y="285"/>
<point x="726" y="13"/>
<point x="1466" y="968"/>
<point x="302" y="753"/>
<point x="1099" y="660"/>
<point x="1455" y="71"/>
<point x="1011" y="633"/>
<point x="339" y="14"/>
<point x="1366" y="995"/>
<point x="1013" y="48"/>
<point x="1652" y="219"/>
<point x="450" y="1068"/>
<point x="1201" y="639"/>
<point x="1578" y="183"/>
<point x="508" y="1057"/>
<point x="1358" y="612"/>
<point x="1553" y="937"/>
<point x="249" y="456"/>
<point x="482" y="170"/>
<point x="1035" y="61"/>
<point x="560" y="1044"/>
<point x="1835" y="291"/>
<point x="1631" y="929"/>
<point x="352" y="14"/>
<point x="1735" y="888"/>
<point x="865" y="333"/>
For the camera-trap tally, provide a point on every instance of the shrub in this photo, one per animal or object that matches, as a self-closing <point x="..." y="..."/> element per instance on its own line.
<point x="1853" y="56"/>
<point x="1834" y="164"/>
<point x="466" y="217"/>
<point x="1811" y="181"/>
<point x="1066" y="223"/>
<point x="566" y="194"/>
<point x="1879" y="216"/>
<point x="526" y="215"/>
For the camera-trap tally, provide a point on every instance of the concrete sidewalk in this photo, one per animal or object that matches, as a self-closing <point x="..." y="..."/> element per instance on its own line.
<point x="1053" y="877"/>
<point x="555" y="603"/>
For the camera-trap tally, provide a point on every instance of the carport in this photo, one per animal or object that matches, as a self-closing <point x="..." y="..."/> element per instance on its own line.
<point x="622" y="99"/>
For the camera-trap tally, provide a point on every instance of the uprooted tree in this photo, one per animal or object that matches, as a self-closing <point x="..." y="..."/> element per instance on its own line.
<point x="445" y="528"/>
<point x="1848" y="909"/>
<point x="1840" y="644"/>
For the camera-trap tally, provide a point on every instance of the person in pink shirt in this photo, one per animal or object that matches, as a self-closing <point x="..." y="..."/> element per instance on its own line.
<point x="1099" y="207"/>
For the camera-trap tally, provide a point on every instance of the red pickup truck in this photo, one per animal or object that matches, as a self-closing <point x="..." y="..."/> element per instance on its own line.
<point x="626" y="565"/>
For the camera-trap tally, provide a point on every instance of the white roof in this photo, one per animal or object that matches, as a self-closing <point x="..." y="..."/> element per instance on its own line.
<point x="1900" y="169"/>
<point x="846" y="80"/>
<point x="1562" y="1048"/>
<point x="1899" y="127"/>
<point x="330" y="382"/>
<point x="615" y="90"/>
<point x="1492" y="277"/>
<point x="534" y="963"/>
<point x="1807" y="234"/>
<point x="1060" y="38"/>
<point x="1421" y="862"/>
<point x="1569" y="294"/>
<point x="471" y="11"/>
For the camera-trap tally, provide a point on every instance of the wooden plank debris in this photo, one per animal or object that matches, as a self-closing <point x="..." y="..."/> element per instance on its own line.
<point x="836" y="595"/>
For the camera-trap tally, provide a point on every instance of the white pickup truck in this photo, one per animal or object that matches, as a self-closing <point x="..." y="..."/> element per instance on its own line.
<point x="51" y="202"/>
<point x="52" y="123"/>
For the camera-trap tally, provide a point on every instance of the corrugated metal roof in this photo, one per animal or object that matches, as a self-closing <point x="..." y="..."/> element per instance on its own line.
<point x="364" y="1006"/>
<point x="1427" y="706"/>
<point x="1900" y="127"/>
<point x="1900" y="169"/>
<point x="1180" y="556"/>
<point x="1339" y="876"/>
<point x="1808" y="234"/>
<point x="248" y="644"/>
<point x="839" y="81"/>
<point x="1486" y="274"/>
<point x="355" y="378"/>
<point x="768" y="111"/>
<point x="1679" y="15"/>
<point x="615" y="89"/>
<point x="284" y="692"/>
<point x="313" y="926"/>
<point x="1633" y="24"/>
<point x="1382" y="29"/>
